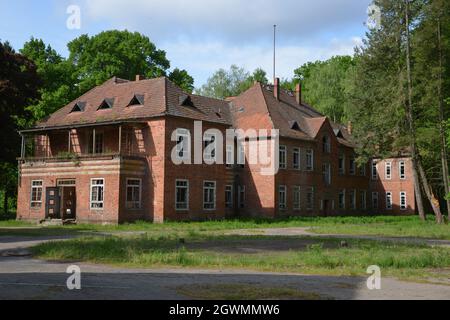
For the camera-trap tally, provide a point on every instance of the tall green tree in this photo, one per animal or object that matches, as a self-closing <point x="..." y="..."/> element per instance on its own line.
<point x="182" y="79"/>
<point x="115" y="53"/>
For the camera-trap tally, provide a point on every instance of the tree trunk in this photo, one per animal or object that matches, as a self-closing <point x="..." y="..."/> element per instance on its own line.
<point x="430" y="195"/>
<point x="444" y="159"/>
<point x="409" y="117"/>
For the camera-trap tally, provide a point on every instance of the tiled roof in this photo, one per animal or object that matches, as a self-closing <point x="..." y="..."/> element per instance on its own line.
<point x="160" y="97"/>
<point x="257" y="108"/>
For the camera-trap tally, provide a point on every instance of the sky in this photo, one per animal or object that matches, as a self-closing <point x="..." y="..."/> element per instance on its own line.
<point x="202" y="36"/>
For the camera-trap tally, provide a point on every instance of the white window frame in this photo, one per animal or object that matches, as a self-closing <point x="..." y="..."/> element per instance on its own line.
<point x="185" y="134"/>
<point x="341" y="205"/>
<point x="326" y="144"/>
<point x="229" y="205"/>
<point x="241" y="196"/>
<point x="310" y="156"/>
<point x="36" y="204"/>
<point x="341" y="160"/>
<point x="310" y="206"/>
<point x="389" y="200"/>
<point x="283" y="159"/>
<point x="362" y="170"/>
<point x="374" y="170"/>
<point x="388" y="167"/>
<point x="229" y="156"/>
<point x="296" y="154"/>
<point x="282" y="200"/>
<point x="178" y="205"/>
<point x="363" y="199"/>
<point x="93" y="202"/>
<point x="352" y="166"/>
<point x="405" y="206"/>
<point x="208" y="140"/>
<point x="131" y="204"/>
<point x="375" y="196"/>
<point x="208" y="188"/>
<point x="297" y="198"/>
<point x="402" y="164"/>
<point x="352" y="199"/>
<point x="326" y="173"/>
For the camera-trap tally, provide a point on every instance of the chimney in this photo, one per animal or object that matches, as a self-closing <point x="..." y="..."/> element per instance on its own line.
<point x="298" y="93"/>
<point x="276" y="88"/>
<point x="139" y="77"/>
<point x="350" y="127"/>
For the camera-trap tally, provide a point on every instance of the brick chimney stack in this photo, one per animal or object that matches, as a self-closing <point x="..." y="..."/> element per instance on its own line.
<point x="276" y="88"/>
<point x="298" y="93"/>
<point x="139" y="77"/>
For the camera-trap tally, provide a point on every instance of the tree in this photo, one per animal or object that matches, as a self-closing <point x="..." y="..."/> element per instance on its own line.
<point x="19" y="84"/>
<point x="115" y="53"/>
<point x="229" y="83"/>
<point x="324" y="85"/>
<point x="182" y="79"/>
<point x="58" y="78"/>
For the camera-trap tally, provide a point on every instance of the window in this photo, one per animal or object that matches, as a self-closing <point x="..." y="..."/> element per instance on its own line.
<point x="97" y="190"/>
<point x="403" y="204"/>
<point x="402" y="170"/>
<point x="326" y="171"/>
<point x="374" y="170"/>
<point x="282" y="197"/>
<point x="342" y="199"/>
<point x="183" y="144"/>
<point x="134" y="193"/>
<point x="241" y="197"/>
<point x="389" y="200"/>
<point x="388" y="170"/>
<point x="36" y="194"/>
<point x="297" y="197"/>
<point x="363" y="199"/>
<point x="352" y="199"/>
<point x="210" y="139"/>
<point x="230" y="156"/>
<point x="352" y="169"/>
<point x="375" y="200"/>
<point x="326" y="144"/>
<point x="310" y="198"/>
<point x="362" y="170"/>
<point x="97" y="144"/>
<point x="241" y="154"/>
<point x="310" y="160"/>
<point x="296" y="159"/>
<point x="181" y="195"/>
<point x="209" y="195"/>
<point x="341" y="164"/>
<point x="283" y="152"/>
<point x="229" y="197"/>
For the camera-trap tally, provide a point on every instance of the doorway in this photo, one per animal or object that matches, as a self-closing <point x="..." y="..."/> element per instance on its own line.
<point x="68" y="198"/>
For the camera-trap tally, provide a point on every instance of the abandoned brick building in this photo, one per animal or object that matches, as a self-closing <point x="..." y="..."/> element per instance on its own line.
<point x="107" y="158"/>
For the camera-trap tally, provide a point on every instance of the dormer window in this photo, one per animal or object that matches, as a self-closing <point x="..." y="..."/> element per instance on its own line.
<point x="79" y="107"/>
<point x="186" y="101"/>
<point x="338" y="133"/>
<point x="138" y="100"/>
<point x="106" y="104"/>
<point x="294" y="125"/>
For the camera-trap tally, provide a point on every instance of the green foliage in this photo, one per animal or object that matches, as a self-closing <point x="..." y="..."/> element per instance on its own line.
<point x="223" y="83"/>
<point x="182" y="79"/>
<point x="115" y="53"/>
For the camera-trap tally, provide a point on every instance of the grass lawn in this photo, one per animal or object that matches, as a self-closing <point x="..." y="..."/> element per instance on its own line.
<point x="262" y="253"/>
<point x="381" y="226"/>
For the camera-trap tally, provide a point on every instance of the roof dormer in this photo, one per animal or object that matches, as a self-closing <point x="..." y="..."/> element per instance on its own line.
<point x="186" y="101"/>
<point x="78" y="107"/>
<point x="294" y="125"/>
<point x="138" y="100"/>
<point x="106" y="104"/>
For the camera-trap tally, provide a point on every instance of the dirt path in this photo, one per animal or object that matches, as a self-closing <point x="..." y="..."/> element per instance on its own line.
<point x="306" y="232"/>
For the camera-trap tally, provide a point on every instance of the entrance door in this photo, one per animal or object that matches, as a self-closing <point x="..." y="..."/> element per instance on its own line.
<point x="69" y="202"/>
<point x="52" y="203"/>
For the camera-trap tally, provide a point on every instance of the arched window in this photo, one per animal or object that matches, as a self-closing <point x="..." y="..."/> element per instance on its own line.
<point x="326" y="144"/>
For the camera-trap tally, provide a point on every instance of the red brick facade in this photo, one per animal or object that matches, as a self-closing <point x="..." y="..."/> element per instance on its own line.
<point x="115" y="166"/>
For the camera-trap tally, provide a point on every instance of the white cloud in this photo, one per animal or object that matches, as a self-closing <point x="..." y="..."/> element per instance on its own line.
<point x="202" y="59"/>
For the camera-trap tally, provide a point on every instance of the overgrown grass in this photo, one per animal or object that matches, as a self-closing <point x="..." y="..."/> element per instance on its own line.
<point x="324" y="256"/>
<point x="410" y="226"/>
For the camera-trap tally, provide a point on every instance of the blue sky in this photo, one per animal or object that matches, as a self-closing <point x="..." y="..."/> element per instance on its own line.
<point x="202" y="35"/>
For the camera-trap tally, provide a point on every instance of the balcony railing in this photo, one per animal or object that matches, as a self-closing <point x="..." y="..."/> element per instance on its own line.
<point x="67" y="157"/>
